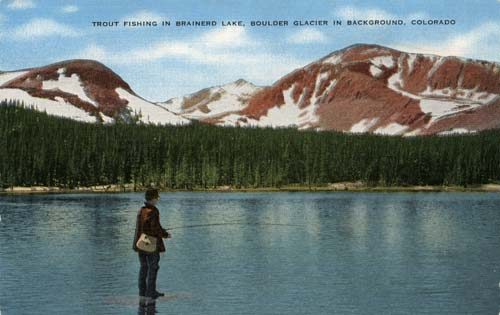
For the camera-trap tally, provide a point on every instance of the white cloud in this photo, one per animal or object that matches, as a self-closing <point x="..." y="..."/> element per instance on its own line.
<point x="351" y="12"/>
<point x="228" y="36"/>
<point x="359" y="13"/>
<point x="41" y="28"/>
<point x="307" y="36"/>
<point x="144" y="15"/>
<point x="480" y="42"/>
<point x="230" y="52"/>
<point x="210" y="47"/>
<point x="70" y="9"/>
<point x="21" y="4"/>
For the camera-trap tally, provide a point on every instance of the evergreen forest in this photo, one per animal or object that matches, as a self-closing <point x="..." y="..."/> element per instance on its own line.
<point x="38" y="149"/>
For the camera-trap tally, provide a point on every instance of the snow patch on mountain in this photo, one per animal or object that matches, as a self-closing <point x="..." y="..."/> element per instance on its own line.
<point x="308" y="115"/>
<point x="59" y="107"/>
<point x="334" y="59"/>
<point x="436" y="65"/>
<point x="227" y="102"/>
<point x="414" y="132"/>
<point x="240" y="87"/>
<point x="455" y="131"/>
<point x="233" y="120"/>
<point x="396" y="83"/>
<point x="284" y="115"/>
<point x="71" y="85"/>
<point x="376" y="72"/>
<point x="149" y="112"/>
<point x="386" y="61"/>
<point x="411" y="61"/>
<point x="439" y="108"/>
<point x="174" y="105"/>
<point x="391" y="129"/>
<point x="377" y="63"/>
<point x="291" y="112"/>
<point x="440" y="102"/>
<point x="228" y="98"/>
<point x="467" y="95"/>
<point x="363" y="125"/>
<point x="9" y="76"/>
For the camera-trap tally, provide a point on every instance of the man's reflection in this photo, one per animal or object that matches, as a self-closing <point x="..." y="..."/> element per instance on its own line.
<point x="149" y="309"/>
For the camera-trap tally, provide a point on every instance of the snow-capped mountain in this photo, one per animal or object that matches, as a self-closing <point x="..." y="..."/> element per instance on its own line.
<point x="361" y="88"/>
<point x="83" y="90"/>
<point x="370" y="88"/>
<point x="211" y="103"/>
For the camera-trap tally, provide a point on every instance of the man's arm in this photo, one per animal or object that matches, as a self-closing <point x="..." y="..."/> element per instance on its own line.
<point x="165" y="232"/>
<point x="155" y="225"/>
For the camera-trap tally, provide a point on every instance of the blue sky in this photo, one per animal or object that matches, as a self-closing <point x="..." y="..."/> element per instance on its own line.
<point x="164" y="62"/>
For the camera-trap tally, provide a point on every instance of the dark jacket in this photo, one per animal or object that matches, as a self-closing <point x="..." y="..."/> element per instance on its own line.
<point x="148" y="222"/>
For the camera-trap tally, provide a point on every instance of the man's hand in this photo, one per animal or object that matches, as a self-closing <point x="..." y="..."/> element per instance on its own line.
<point x="166" y="234"/>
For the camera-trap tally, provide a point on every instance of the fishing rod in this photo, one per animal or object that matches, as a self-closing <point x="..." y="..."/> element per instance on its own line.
<point x="231" y="223"/>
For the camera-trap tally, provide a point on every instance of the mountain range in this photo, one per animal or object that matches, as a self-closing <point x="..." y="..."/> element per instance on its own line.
<point x="361" y="88"/>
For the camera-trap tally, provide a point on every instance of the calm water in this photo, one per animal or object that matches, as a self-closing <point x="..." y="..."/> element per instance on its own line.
<point x="343" y="253"/>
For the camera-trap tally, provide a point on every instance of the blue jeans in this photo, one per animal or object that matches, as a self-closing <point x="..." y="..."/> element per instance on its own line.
<point x="148" y="272"/>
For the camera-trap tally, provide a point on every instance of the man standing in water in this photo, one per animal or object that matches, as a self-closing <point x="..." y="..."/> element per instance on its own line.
<point x="148" y="222"/>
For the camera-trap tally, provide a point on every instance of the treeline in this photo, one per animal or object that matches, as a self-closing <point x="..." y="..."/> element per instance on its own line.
<point x="38" y="149"/>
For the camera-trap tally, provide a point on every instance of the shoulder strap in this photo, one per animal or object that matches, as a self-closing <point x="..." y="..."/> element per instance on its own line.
<point x="137" y="228"/>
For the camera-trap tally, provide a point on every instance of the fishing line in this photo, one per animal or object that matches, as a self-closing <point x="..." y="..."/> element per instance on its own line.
<point x="231" y="223"/>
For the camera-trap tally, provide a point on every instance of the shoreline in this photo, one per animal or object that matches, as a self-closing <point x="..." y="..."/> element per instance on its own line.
<point x="334" y="187"/>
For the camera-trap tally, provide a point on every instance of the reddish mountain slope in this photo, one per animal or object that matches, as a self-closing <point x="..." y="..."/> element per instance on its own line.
<point x="81" y="89"/>
<point x="369" y="88"/>
<point x="361" y="88"/>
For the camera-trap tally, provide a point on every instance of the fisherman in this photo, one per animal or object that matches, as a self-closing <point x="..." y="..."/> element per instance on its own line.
<point x="148" y="222"/>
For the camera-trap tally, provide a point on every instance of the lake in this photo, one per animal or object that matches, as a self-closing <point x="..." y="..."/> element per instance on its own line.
<point x="266" y="253"/>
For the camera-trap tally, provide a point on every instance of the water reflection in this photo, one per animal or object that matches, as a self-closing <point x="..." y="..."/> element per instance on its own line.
<point x="358" y="223"/>
<point x="146" y="309"/>
<point x="393" y="222"/>
<point x="344" y="253"/>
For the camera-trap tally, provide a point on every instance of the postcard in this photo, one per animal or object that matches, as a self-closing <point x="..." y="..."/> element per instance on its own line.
<point x="249" y="157"/>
